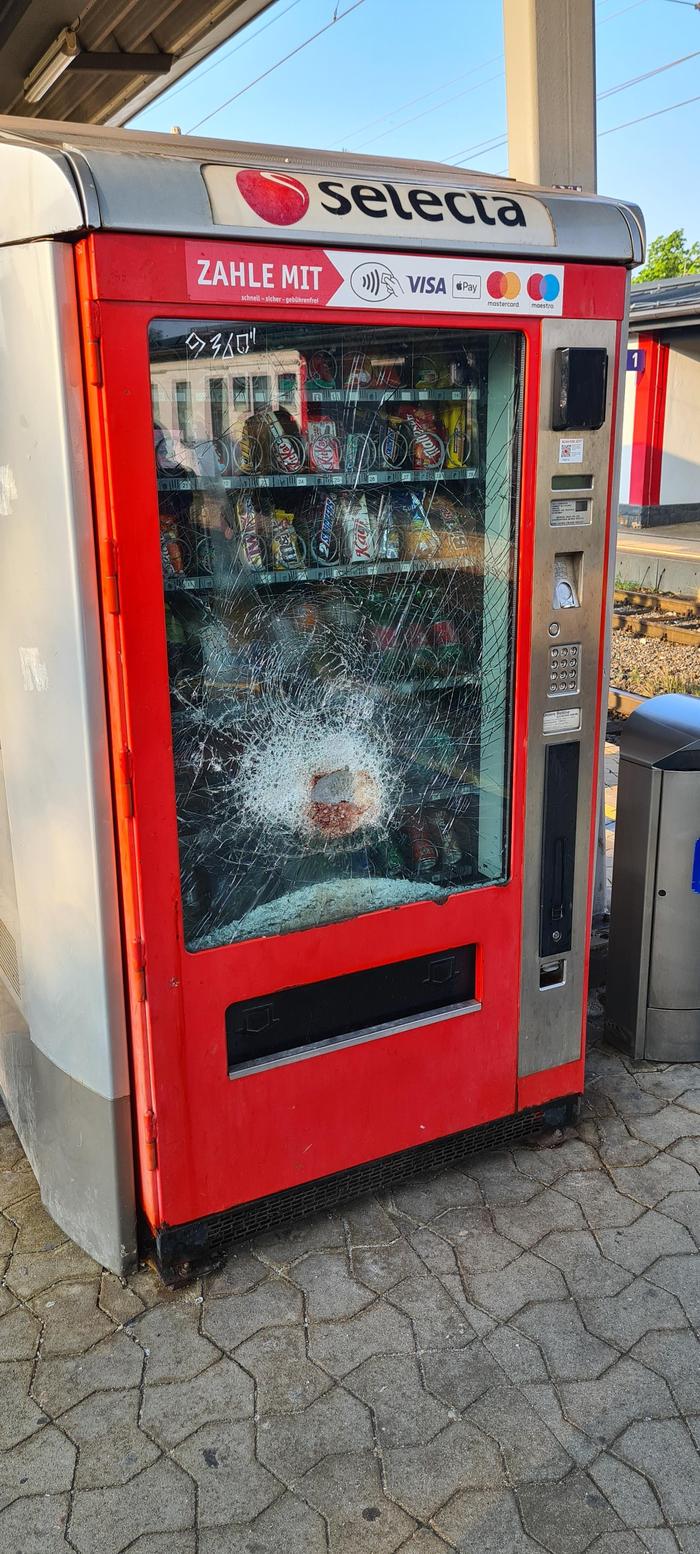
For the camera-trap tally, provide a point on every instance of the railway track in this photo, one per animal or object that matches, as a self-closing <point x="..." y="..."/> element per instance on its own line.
<point x="622" y="703"/>
<point x="667" y="617"/>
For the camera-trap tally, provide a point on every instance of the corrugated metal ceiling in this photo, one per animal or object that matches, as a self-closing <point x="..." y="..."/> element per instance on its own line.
<point x="186" y="29"/>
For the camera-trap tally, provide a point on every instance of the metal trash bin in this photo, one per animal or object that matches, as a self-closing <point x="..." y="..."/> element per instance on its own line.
<point x="653" y="986"/>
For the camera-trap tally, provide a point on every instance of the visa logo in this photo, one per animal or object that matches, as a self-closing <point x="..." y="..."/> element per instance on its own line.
<point x="427" y="284"/>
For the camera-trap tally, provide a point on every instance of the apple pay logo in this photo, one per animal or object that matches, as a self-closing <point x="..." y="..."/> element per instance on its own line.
<point x="466" y="286"/>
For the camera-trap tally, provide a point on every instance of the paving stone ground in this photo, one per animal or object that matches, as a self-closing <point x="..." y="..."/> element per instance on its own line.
<point x="497" y="1359"/>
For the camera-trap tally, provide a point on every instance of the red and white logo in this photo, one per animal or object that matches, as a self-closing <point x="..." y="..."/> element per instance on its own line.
<point x="275" y="197"/>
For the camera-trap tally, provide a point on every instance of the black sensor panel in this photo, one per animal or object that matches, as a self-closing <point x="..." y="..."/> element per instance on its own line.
<point x="264" y="1028"/>
<point x="580" y="388"/>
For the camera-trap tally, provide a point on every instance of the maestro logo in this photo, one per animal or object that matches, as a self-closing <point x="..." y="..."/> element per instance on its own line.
<point x="276" y="198"/>
<point x="543" y="288"/>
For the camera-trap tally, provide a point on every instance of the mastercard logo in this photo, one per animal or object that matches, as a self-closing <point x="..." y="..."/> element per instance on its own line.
<point x="503" y="284"/>
<point x="543" y="288"/>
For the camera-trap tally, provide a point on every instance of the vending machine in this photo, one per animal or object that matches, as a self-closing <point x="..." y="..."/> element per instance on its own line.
<point x="306" y="470"/>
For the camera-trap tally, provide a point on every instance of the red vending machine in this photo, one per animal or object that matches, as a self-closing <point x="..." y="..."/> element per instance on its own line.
<point x="349" y="430"/>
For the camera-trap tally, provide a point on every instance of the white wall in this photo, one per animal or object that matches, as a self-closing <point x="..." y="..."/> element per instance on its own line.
<point x="628" y="427"/>
<point x="680" y="467"/>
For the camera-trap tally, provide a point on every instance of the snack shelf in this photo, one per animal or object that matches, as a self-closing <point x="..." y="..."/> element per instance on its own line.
<point x="179" y="583"/>
<point x="381" y="477"/>
<point x="318" y="395"/>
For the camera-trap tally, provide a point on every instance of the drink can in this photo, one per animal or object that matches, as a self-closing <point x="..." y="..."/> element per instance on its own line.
<point x="422" y="851"/>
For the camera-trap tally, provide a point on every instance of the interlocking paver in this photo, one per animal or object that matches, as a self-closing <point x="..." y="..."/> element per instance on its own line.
<point x="290" y="1444"/>
<point x="105" y="1429"/>
<point x="667" y="1126"/>
<point x="286" y="1380"/>
<point x="637" y="1246"/>
<point x="681" y="1277"/>
<point x="529" y="1449"/>
<point x="429" y="1196"/>
<point x="20" y="1414"/>
<point x="331" y="1292"/>
<point x="172" y="1410"/>
<point x="569" y="1349"/>
<point x="19" y="1334"/>
<point x="381" y="1267"/>
<point x="348" y="1491"/>
<point x="339" y="1346"/>
<point x="70" y="1317"/>
<point x="234" y="1318"/>
<point x="567" y="1516"/>
<point x="578" y="1256"/>
<point x="35" y="1525"/>
<point x="392" y="1386"/>
<point x="651" y="1183"/>
<point x="524" y="1321"/>
<point x="422" y="1478"/>
<point x="604" y="1407"/>
<point x="665" y="1451"/>
<point x="282" y="1247"/>
<point x="105" y="1521"/>
<point x="485" y="1520"/>
<point x="114" y="1363"/>
<point x="676" y="1357"/>
<point x="623" y="1319"/>
<point x="170" y="1339"/>
<point x="529" y="1222"/>
<point x="437" y="1322"/>
<point x="45" y="1459"/>
<point x="288" y="1526"/>
<point x="628" y="1492"/>
<point x="233" y="1485"/>
<point x="525" y="1280"/>
<point x="519" y="1358"/>
<point x="459" y="1376"/>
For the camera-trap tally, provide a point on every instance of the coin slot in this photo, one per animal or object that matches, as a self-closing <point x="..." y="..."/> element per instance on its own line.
<point x="552" y="974"/>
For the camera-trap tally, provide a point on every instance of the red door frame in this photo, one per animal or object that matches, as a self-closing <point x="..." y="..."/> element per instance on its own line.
<point x="206" y="1142"/>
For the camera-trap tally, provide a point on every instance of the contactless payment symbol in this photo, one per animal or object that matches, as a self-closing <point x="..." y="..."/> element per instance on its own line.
<point x="503" y="285"/>
<point x="543" y="288"/>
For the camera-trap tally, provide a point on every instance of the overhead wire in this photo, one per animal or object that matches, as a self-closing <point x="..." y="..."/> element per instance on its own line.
<point x="336" y="17"/>
<point x="656" y="115"/>
<point x="205" y="48"/>
<point x="413" y="100"/>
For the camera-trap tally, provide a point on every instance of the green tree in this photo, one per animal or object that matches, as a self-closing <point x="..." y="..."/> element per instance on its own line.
<point x="670" y="256"/>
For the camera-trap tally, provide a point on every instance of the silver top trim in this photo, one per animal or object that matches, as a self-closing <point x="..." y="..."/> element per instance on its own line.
<point x="61" y="179"/>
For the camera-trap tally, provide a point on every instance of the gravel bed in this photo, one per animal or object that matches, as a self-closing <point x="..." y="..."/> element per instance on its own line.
<point x="649" y="666"/>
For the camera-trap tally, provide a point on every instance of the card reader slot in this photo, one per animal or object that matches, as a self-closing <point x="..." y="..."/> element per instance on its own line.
<point x="558" y="847"/>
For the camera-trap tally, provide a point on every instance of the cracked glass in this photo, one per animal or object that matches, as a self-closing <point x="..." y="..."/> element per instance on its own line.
<point x="338" y="511"/>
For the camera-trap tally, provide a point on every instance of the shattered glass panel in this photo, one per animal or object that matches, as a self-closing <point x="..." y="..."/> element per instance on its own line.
<point x="337" y="527"/>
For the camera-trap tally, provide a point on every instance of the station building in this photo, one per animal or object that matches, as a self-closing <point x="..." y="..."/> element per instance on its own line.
<point x="660" y="468"/>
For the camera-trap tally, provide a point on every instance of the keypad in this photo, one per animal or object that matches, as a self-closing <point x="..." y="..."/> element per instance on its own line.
<point x="564" y="669"/>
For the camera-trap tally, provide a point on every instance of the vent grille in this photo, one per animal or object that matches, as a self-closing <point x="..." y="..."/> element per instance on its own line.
<point x="9" y="960"/>
<point x="179" y="1247"/>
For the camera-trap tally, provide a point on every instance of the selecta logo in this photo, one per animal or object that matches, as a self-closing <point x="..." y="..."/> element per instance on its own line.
<point x="275" y="197"/>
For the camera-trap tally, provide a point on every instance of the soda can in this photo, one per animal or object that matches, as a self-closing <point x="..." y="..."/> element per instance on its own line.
<point x="423" y="853"/>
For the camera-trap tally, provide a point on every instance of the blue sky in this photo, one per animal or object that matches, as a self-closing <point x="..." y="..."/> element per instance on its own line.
<point x="413" y="79"/>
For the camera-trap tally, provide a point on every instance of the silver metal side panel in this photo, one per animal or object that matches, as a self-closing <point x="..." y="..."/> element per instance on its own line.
<point x="632" y="908"/>
<point x="674" y="970"/>
<point x="73" y="1064"/>
<point x="551" y="1017"/>
<point x="132" y="180"/>
<point x="672" y="1036"/>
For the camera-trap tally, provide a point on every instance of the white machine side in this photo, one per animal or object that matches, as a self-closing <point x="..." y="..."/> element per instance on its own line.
<point x="67" y="1080"/>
